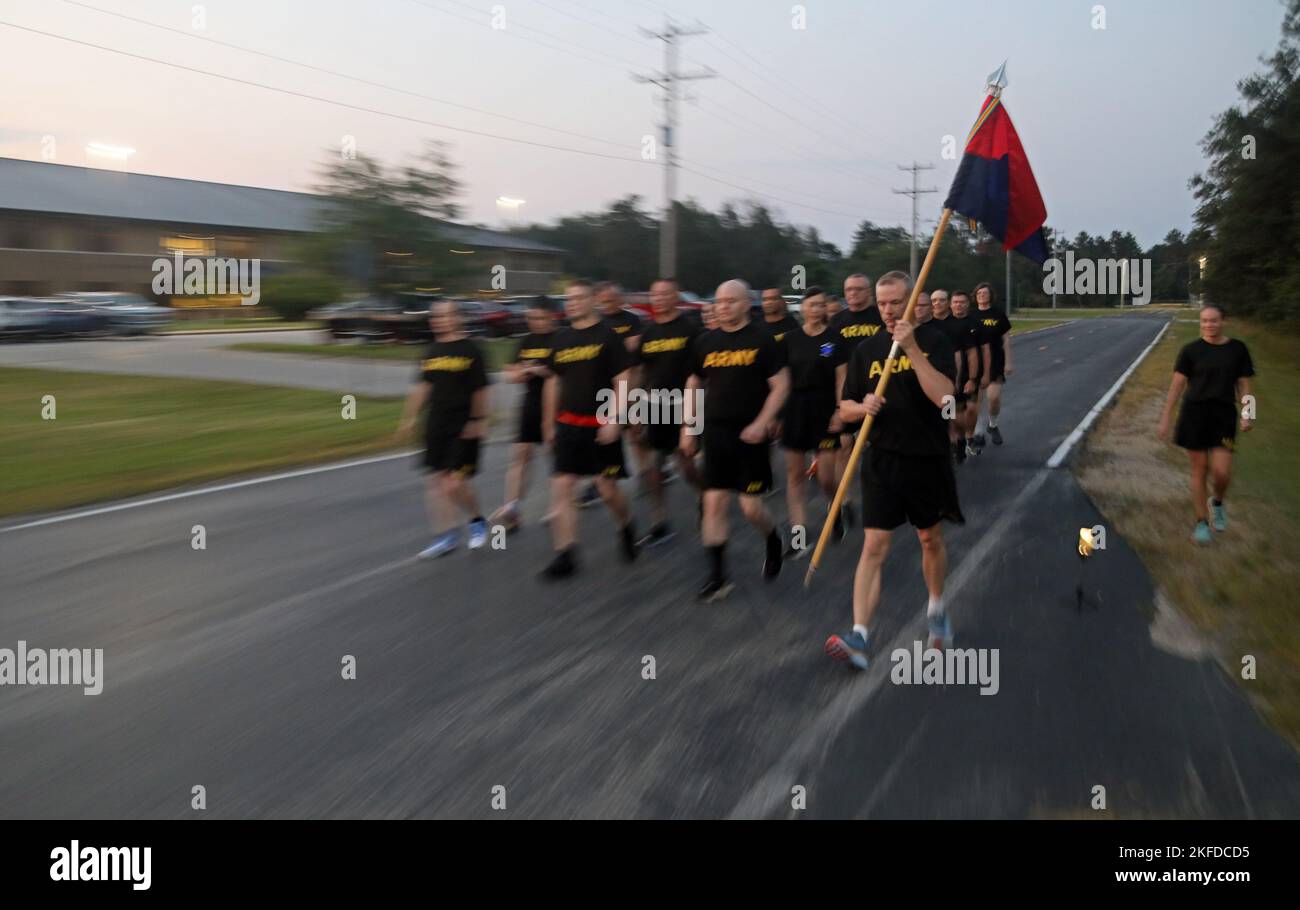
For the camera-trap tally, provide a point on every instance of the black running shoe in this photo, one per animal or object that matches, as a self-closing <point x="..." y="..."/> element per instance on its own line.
<point x="959" y="450"/>
<point x="628" y="540"/>
<point x="996" y="435"/>
<point x="714" y="589"/>
<point x="660" y="533"/>
<point x="772" y="559"/>
<point x="562" y="566"/>
<point x="977" y="443"/>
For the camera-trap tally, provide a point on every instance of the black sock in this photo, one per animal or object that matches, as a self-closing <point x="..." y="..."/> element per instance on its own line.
<point x="717" y="554"/>
<point x="477" y="518"/>
<point x="773" y="541"/>
<point x="1217" y="502"/>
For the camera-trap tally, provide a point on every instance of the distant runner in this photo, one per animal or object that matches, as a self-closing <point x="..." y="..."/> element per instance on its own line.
<point x="451" y="385"/>
<point x="1211" y="376"/>
<point x="997" y="334"/>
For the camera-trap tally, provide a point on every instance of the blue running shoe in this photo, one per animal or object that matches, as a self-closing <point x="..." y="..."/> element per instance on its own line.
<point x="477" y="533"/>
<point x="1202" y="534"/>
<point x="940" y="630"/>
<point x="851" y="647"/>
<point x="443" y="544"/>
<point x="1218" y="516"/>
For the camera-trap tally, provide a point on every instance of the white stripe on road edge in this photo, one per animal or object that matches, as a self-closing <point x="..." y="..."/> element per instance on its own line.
<point x="772" y="792"/>
<point x="220" y="488"/>
<point x="1058" y="457"/>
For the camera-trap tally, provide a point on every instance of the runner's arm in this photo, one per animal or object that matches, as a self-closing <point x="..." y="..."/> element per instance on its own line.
<point x="1243" y="389"/>
<point x="1176" y="388"/>
<point x="415" y="400"/>
<point x="691" y="419"/>
<point x="1006" y="354"/>
<point x="934" y="384"/>
<point x="550" y="398"/>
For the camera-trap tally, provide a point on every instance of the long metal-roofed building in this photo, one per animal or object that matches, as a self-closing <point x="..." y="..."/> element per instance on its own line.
<point x="68" y="228"/>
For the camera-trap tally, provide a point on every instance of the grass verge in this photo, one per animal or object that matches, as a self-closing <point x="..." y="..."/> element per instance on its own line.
<point x="117" y="436"/>
<point x="1238" y="591"/>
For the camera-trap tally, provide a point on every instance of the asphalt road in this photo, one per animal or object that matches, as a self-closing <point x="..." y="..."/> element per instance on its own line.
<point x="222" y="666"/>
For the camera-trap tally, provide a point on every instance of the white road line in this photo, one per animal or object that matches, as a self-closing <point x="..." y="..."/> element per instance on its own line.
<point x="1063" y="450"/>
<point x="203" y="491"/>
<point x="772" y="791"/>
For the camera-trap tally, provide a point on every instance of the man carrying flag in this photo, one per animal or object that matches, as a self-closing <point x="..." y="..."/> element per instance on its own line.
<point x="908" y="472"/>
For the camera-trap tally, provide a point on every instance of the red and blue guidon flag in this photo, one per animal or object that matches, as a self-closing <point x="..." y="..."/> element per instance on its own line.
<point x="995" y="186"/>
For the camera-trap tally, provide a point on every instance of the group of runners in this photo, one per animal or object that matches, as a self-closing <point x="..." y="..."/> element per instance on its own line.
<point x="721" y="388"/>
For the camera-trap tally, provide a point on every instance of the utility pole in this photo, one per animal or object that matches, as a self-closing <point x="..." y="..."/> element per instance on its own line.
<point x="668" y="80"/>
<point x="914" y="192"/>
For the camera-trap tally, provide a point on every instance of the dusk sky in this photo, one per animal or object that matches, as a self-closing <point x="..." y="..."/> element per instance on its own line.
<point x="811" y="121"/>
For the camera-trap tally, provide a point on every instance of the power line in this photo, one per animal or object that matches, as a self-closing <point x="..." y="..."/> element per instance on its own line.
<point x="915" y="192"/>
<point x="321" y="99"/>
<point x="610" y="59"/>
<point x="668" y="80"/>
<point x="329" y="72"/>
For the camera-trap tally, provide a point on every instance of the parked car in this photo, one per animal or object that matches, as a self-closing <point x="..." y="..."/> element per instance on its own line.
<point x="404" y="319"/>
<point x="492" y="319"/>
<point x="21" y="318"/>
<point x="125" y="314"/>
<point x="61" y="316"/>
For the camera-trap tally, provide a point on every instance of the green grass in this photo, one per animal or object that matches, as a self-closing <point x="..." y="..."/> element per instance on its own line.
<point x="263" y="324"/>
<point x="117" y="436"/>
<point x="1239" y="591"/>
<point x="498" y="351"/>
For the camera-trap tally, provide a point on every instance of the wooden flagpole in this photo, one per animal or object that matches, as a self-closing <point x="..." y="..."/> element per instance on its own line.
<point x="880" y="393"/>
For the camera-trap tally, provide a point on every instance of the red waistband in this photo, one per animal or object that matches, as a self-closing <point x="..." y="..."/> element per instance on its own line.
<point x="577" y="420"/>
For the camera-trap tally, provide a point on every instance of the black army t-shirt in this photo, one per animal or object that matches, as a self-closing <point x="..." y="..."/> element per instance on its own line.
<point x="535" y="349"/>
<point x="455" y="370"/>
<point x="993" y="324"/>
<point x="908" y="423"/>
<point x="1212" y="370"/>
<point x="666" y="352"/>
<point x="586" y="361"/>
<point x="957" y="332"/>
<point x="735" y="367"/>
<point x="781" y="327"/>
<point x="852" y="327"/>
<point x="624" y="323"/>
<point x="812" y="360"/>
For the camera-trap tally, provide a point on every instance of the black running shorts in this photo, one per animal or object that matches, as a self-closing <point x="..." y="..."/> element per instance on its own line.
<point x="578" y="452"/>
<point x="663" y="438"/>
<point x="803" y="426"/>
<point x="1204" y="425"/>
<point x="732" y="464"/>
<point x="920" y="489"/>
<point x="530" y="424"/>
<point x="445" y="450"/>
